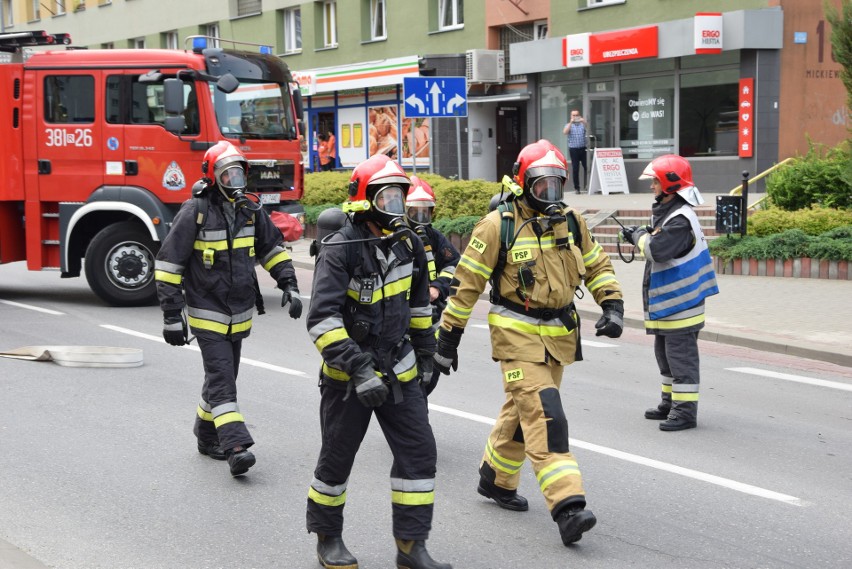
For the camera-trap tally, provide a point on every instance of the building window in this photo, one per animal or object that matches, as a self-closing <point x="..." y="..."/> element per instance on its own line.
<point x="450" y="13"/>
<point x="171" y="40"/>
<point x="212" y="30"/>
<point x="556" y="104"/>
<point x="69" y="99"/>
<point x="7" y="14"/>
<point x="59" y="7"/>
<point x="646" y="117"/>
<point x="540" y="30"/>
<point x="108" y="45"/>
<point x="378" y="24"/>
<point x="293" y="30"/>
<point x="510" y="35"/>
<point x="34" y="12"/>
<point x="595" y="3"/>
<point x="329" y="23"/>
<point x="708" y="113"/>
<point x="248" y="8"/>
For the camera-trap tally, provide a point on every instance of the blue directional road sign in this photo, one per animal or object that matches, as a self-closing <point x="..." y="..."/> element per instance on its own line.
<point x="435" y="96"/>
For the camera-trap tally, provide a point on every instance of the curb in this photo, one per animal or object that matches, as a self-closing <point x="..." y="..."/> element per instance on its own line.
<point x="12" y="557"/>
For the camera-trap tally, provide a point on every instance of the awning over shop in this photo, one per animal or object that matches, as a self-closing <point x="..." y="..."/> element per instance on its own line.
<point x="365" y="74"/>
<point x="501" y="98"/>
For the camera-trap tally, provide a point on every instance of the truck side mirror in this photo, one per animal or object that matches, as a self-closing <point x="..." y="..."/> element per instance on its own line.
<point x="174" y="124"/>
<point x="227" y="83"/>
<point x="297" y="101"/>
<point x="173" y="96"/>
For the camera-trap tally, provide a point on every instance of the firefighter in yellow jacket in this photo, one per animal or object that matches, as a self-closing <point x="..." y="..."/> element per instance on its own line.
<point x="537" y="267"/>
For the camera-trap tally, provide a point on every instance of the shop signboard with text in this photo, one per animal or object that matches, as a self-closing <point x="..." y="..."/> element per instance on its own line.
<point x="623" y="45"/>
<point x="708" y="32"/>
<point x="575" y="50"/>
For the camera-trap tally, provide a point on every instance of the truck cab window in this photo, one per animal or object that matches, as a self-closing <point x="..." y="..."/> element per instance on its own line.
<point x="69" y="99"/>
<point x="130" y="102"/>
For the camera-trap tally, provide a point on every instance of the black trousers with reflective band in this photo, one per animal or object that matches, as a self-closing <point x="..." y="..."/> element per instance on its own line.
<point x="406" y="428"/>
<point x="678" y="360"/>
<point x="221" y="358"/>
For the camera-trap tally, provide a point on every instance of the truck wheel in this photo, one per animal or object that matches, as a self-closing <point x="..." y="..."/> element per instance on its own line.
<point x="120" y="265"/>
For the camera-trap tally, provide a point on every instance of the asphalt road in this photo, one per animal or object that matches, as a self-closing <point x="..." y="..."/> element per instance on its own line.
<point x="98" y="467"/>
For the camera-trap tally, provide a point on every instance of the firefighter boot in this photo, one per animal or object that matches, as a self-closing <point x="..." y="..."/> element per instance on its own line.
<point x="240" y="460"/>
<point x="508" y="499"/>
<point x="332" y="553"/>
<point x="573" y="523"/>
<point x="213" y="450"/>
<point x="658" y="413"/>
<point x="413" y="555"/>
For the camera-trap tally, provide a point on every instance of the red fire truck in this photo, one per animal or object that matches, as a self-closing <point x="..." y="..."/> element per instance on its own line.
<point x="100" y="148"/>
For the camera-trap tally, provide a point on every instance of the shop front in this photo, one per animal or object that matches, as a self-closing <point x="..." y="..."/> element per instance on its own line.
<point x="360" y="105"/>
<point x="705" y="87"/>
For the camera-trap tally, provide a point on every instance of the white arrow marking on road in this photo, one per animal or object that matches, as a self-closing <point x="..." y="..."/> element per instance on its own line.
<point x="435" y="91"/>
<point x="31" y="307"/>
<point x="246" y="361"/>
<point x="456" y="101"/>
<point x="635" y="458"/>
<point x="416" y="102"/>
<point x="796" y="378"/>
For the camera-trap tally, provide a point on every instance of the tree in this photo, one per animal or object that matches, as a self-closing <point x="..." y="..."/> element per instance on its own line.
<point x="841" y="41"/>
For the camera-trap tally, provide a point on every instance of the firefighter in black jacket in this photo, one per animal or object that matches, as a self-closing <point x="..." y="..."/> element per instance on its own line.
<point x="441" y="256"/>
<point x="371" y="321"/>
<point x="207" y="264"/>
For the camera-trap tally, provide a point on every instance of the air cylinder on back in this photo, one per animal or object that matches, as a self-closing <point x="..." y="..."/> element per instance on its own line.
<point x="328" y="221"/>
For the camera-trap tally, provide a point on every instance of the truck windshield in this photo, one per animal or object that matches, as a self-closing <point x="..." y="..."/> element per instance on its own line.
<point x="255" y="110"/>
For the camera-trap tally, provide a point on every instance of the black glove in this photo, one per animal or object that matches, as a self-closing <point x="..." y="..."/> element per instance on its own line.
<point x="291" y="295"/>
<point x="611" y="323"/>
<point x="425" y="366"/>
<point x="633" y="233"/>
<point x="447" y="355"/>
<point x="369" y="387"/>
<point x="174" y="328"/>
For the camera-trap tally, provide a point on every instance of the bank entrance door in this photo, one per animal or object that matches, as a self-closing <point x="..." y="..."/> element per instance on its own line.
<point x="601" y="121"/>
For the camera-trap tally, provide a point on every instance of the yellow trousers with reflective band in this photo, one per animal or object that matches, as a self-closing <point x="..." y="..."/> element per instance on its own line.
<point x="532" y="425"/>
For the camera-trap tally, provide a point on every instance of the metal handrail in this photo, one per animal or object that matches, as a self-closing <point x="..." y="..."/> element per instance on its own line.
<point x="739" y="189"/>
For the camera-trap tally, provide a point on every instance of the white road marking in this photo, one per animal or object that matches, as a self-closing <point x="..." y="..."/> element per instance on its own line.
<point x="31" y="307"/>
<point x="659" y="465"/>
<point x="246" y="361"/>
<point x="790" y="377"/>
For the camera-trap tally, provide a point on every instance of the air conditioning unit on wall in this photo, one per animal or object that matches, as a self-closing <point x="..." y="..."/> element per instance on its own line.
<point x="486" y="66"/>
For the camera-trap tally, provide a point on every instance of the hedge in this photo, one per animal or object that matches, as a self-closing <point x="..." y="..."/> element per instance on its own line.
<point x="815" y="221"/>
<point x="834" y="245"/>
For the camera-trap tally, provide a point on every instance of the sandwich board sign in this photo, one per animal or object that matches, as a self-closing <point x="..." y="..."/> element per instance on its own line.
<point x="608" y="174"/>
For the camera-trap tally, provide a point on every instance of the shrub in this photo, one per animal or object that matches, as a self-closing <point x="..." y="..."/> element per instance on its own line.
<point x="461" y="225"/>
<point x="820" y="178"/>
<point x="325" y="188"/>
<point x="312" y="212"/>
<point x="814" y="221"/>
<point x="463" y="197"/>
<point x="834" y="245"/>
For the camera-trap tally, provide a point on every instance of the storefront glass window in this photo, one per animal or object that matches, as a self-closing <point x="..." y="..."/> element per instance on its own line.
<point x="607" y="70"/>
<point x="647" y="66"/>
<point x="646" y="123"/>
<point x="562" y="75"/>
<point x="710" y="60"/>
<point x="556" y="101"/>
<point x="708" y="113"/>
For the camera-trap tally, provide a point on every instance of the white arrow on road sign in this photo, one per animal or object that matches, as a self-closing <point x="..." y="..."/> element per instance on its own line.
<point x="435" y="91"/>
<point x="416" y="102"/>
<point x="454" y="102"/>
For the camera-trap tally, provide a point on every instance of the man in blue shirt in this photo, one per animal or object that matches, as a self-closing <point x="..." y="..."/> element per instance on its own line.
<point x="576" y="131"/>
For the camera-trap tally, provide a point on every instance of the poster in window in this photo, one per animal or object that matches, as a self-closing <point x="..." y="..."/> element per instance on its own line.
<point x="345" y="136"/>
<point x="416" y="134"/>
<point x="383" y="131"/>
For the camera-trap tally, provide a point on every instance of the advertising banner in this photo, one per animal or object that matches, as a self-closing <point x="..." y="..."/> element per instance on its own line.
<point x="746" y="117"/>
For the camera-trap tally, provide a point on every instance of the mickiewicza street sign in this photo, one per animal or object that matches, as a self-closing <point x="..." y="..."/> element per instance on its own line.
<point x="435" y="96"/>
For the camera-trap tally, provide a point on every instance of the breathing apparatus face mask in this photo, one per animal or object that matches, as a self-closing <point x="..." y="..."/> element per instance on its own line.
<point x="389" y="206"/>
<point x="232" y="182"/>
<point x="419" y="215"/>
<point x="545" y="194"/>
